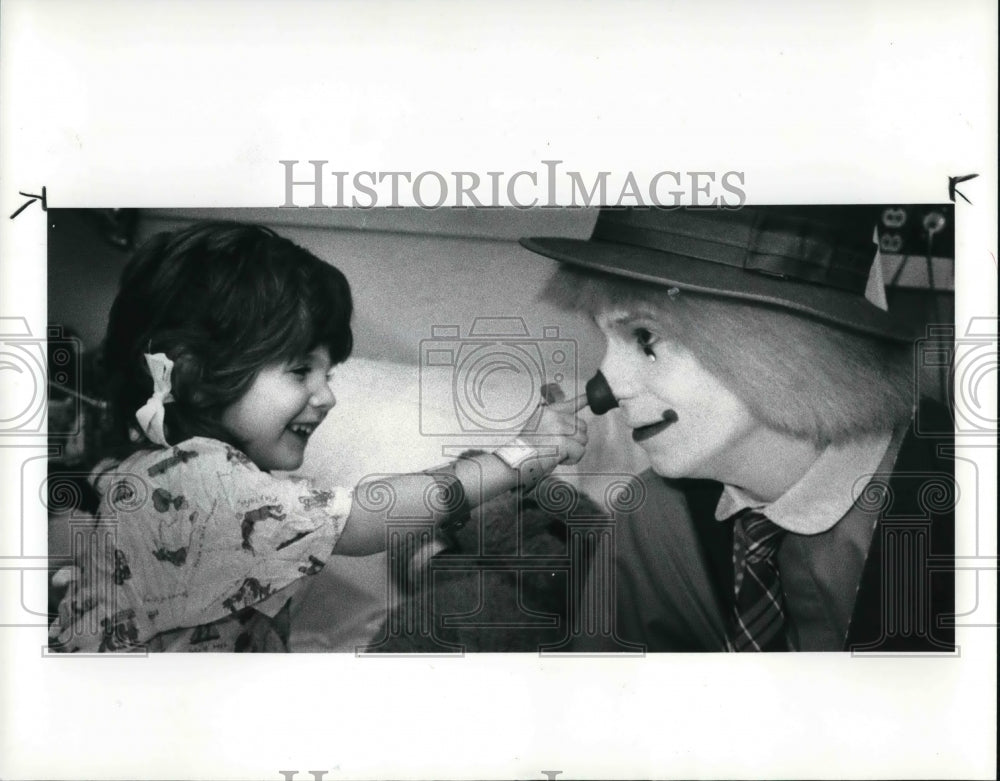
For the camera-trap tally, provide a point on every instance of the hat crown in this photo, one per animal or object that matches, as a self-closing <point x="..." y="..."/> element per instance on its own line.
<point x="816" y="261"/>
<point x="832" y="246"/>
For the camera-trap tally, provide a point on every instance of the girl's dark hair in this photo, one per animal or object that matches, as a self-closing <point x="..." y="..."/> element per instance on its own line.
<point x="221" y="300"/>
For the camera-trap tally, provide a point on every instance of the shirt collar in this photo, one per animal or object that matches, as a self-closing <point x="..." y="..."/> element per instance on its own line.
<point x="824" y="493"/>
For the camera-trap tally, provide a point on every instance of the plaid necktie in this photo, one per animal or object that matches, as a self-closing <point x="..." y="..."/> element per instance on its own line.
<point x="758" y="609"/>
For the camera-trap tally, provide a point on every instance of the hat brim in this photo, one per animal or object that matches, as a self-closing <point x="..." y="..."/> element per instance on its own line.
<point x="841" y="308"/>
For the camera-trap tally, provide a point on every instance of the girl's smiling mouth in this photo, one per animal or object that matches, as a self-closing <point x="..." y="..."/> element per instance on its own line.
<point x="642" y="433"/>
<point x="303" y="430"/>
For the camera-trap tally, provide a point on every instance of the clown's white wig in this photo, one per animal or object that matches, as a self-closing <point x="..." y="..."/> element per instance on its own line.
<point x="797" y="375"/>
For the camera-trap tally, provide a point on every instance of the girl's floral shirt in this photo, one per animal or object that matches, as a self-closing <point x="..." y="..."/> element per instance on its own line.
<point x="193" y="549"/>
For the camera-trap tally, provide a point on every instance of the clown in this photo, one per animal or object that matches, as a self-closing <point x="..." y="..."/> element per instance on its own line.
<point x="774" y="400"/>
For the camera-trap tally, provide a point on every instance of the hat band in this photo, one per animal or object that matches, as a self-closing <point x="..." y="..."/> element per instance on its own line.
<point x="770" y="253"/>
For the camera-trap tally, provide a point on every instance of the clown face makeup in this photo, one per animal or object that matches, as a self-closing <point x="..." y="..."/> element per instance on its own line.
<point x="685" y="419"/>
<point x="274" y="419"/>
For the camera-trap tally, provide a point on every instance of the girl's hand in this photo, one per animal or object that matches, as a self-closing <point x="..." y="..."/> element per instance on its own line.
<point x="559" y="428"/>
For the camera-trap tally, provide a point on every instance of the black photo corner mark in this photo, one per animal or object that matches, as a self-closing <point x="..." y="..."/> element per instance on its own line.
<point x="31" y="199"/>
<point x="953" y="181"/>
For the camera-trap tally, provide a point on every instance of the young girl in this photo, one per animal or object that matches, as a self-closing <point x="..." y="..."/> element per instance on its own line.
<point x="218" y="351"/>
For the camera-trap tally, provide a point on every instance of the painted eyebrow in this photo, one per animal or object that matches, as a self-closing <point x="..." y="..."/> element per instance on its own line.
<point x="631" y="318"/>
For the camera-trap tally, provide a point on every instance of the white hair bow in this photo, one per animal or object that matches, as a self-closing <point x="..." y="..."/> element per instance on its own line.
<point x="150" y="415"/>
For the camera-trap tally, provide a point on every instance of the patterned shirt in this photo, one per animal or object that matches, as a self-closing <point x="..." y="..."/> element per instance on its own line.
<point x="193" y="549"/>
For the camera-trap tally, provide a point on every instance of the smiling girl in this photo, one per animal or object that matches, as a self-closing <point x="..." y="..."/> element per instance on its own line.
<point x="219" y="349"/>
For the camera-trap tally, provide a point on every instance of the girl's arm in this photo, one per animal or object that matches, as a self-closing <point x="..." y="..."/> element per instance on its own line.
<point x="482" y="477"/>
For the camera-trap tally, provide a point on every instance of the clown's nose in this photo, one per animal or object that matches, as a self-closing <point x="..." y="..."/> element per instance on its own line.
<point x="599" y="395"/>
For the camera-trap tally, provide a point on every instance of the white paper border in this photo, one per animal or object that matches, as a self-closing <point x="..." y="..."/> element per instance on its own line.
<point x="169" y="104"/>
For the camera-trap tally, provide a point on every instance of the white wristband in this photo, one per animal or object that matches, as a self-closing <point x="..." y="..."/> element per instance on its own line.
<point x="515" y="453"/>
